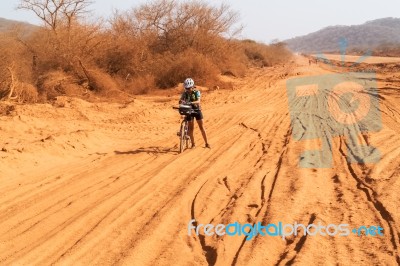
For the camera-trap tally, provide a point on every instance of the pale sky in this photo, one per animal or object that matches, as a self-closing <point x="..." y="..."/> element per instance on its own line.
<point x="264" y="20"/>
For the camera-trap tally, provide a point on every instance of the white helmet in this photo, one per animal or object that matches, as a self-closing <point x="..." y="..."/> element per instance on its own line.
<point x="189" y="83"/>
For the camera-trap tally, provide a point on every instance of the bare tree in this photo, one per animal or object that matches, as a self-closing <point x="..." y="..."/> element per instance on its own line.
<point x="54" y="12"/>
<point x="184" y="24"/>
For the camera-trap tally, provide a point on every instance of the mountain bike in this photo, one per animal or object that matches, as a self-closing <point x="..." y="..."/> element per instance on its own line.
<point x="184" y="139"/>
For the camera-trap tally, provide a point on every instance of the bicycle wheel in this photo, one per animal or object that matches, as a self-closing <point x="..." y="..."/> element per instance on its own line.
<point x="187" y="138"/>
<point x="182" y="137"/>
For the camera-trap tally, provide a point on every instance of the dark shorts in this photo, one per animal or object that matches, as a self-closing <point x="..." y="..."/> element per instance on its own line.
<point x="198" y="115"/>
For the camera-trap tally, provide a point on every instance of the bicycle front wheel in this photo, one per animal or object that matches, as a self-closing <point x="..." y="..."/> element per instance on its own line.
<point x="182" y="138"/>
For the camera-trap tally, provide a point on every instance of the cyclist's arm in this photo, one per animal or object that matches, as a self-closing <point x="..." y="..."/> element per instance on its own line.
<point x="198" y="98"/>
<point x="182" y="99"/>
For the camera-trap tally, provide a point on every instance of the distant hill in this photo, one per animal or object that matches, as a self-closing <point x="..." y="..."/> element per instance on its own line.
<point x="7" y="25"/>
<point x="369" y="35"/>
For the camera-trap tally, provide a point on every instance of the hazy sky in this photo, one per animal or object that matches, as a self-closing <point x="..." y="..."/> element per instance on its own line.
<point x="264" y="20"/>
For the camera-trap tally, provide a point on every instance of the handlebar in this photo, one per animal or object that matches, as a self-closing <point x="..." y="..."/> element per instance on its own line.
<point x="191" y="110"/>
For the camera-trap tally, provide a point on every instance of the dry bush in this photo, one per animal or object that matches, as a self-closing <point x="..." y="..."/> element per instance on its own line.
<point x="158" y="44"/>
<point x="256" y="53"/>
<point x="58" y="83"/>
<point x="44" y="46"/>
<point x="262" y="55"/>
<point x="139" y="85"/>
<point x="64" y="48"/>
<point x="14" y="55"/>
<point x="101" y="82"/>
<point x="171" y="41"/>
<point x="231" y="60"/>
<point x="173" y="69"/>
<point x="26" y="93"/>
<point x="64" y="41"/>
<point x="278" y="53"/>
<point x="18" y="91"/>
<point x="16" y="71"/>
<point x="124" y="55"/>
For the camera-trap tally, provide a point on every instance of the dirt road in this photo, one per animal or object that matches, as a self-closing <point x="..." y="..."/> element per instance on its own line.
<point x="103" y="184"/>
<point x="367" y="59"/>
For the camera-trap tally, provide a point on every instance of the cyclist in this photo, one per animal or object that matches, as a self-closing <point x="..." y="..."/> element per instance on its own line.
<point x="192" y="96"/>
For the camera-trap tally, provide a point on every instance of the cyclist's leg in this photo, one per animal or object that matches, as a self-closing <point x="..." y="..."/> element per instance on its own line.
<point x="199" y="119"/>
<point x="203" y="130"/>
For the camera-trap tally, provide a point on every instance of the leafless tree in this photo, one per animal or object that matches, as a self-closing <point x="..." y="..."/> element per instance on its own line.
<point x="179" y="25"/>
<point x="55" y="12"/>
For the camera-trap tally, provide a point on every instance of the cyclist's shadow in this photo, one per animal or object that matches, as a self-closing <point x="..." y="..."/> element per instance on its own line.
<point x="149" y="150"/>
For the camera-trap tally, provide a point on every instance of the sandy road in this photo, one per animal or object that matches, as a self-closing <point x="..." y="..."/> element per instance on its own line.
<point x="103" y="184"/>
<point x="367" y="59"/>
